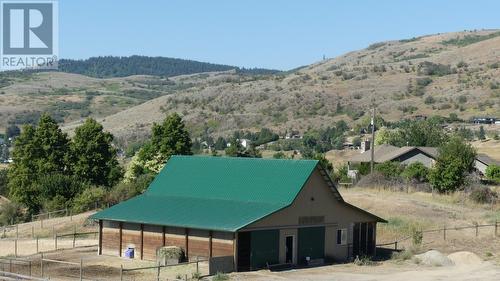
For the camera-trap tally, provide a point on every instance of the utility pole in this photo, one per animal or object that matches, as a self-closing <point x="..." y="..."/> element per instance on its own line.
<point x="372" y="149"/>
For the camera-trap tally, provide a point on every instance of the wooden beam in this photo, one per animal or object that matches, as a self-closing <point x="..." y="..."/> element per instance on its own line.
<point x="235" y="251"/>
<point x="142" y="241"/>
<point x="100" y="238"/>
<point x="120" y="234"/>
<point x="163" y="237"/>
<point x="367" y="238"/>
<point x="210" y="234"/>
<point x="186" y="231"/>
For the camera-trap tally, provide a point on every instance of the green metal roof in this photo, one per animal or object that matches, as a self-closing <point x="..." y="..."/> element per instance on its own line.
<point x="217" y="193"/>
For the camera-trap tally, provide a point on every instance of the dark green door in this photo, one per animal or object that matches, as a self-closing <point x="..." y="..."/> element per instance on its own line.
<point x="265" y="248"/>
<point x="311" y="243"/>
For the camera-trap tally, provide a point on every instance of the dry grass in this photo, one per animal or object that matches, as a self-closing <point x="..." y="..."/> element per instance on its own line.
<point x="420" y="211"/>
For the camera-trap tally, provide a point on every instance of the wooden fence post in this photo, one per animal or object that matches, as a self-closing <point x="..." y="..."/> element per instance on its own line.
<point x="41" y="265"/>
<point x="55" y="242"/>
<point x="31" y="269"/>
<point x="74" y="236"/>
<point x="444" y="232"/>
<point x="496" y="228"/>
<point x="396" y="245"/>
<point x="158" y="273"/>
<point x="81" y="269"/>
<point x="15" y="248"/>
<point x="197" y="267"/>
<point x="37" y="244"/>
<point x="121" y="272"/>
<point x="32" y="231"/>
<point x="477" y="229"/>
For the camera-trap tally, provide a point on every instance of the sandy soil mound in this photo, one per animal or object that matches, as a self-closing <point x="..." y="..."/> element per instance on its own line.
<point x="465" y="258"/>
<point x="434" y="258"/>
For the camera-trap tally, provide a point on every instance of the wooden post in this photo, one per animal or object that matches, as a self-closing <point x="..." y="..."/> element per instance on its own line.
<point x="121" y="271"/>
<point x="74" y="238"/>
<point x="158" y="273"/>
<point x="32" y="231"/>
<point x="496" y="228"/>
<point x="142" y="241"/>
<point x="41" y="265"/>
<point x="81" y="269"/>
<point x="31" y="270"/>
<point x="396" y="246"/>
<point x="37" y="244"/>
<point x="17" y="231"/>
<point x="163" y="237"/>
<point x="10" y="265"/>
<point x="197" y="266"/>
<point x="477" y="229"/>
<point x="100" y="238"/>
<point x="55" y="242"/>
<point x="210" y="234"/>
<point x="187" y="243"/>
<point x="444" y="232"/>
<point x="235" y="251"/>
<point x="15" y="248"/>
<point x="121" y="232"/>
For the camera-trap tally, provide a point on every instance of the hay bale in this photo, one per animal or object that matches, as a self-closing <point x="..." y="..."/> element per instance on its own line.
<point x="169" y="255"/>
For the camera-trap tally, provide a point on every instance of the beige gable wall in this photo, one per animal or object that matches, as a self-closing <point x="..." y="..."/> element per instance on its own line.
<point x="315" y="199"/>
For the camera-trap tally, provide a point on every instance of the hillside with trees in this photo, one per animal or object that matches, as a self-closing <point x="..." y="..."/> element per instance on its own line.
<point x="111" y="66"/>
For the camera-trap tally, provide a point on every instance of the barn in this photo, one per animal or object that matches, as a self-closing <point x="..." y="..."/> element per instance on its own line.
<point x="256" y="212"/>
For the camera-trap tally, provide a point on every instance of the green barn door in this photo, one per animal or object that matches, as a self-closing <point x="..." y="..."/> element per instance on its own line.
<point x="311" y="243"/>
<point x="265" y="248"/>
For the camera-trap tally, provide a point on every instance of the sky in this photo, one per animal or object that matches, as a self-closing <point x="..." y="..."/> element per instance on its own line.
<point x="274" y="34"/>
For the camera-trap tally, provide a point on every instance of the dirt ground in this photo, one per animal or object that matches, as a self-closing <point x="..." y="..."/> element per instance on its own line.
<point x="387" y="271"/>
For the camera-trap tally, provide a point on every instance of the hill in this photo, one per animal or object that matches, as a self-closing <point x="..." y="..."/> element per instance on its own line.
<point x="429" y="75"/>
<point x="110" y="66"/>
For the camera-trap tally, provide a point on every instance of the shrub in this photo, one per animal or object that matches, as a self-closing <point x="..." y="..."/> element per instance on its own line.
<point x="423" y="81"/>
<point x="125" y="190"/>
<point x="220" y="277"/>
<point x="483" y="195"/>
<point x="416" y="171"/>
<point x="493" y="173"/>
<point x="363" y="260"/>
<point x="88" y="198"/>
<point x="389" y="169"/>
<point x="10" y="213"/>
<point x="462" y="99"/>
<point x="416" y="237"/>
<point x="434" y="69"/>
<point x="455" y="160"/>
<point x="58" y="202"/>
<point x="429" y="100"/>
<point x="404" y="255"/>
